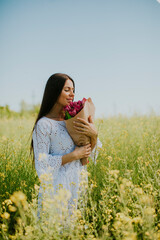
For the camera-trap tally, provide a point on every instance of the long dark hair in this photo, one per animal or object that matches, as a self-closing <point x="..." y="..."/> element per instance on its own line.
<point x="52" y="91"/>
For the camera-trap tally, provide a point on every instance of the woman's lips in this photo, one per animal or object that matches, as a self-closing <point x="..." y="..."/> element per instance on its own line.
<point x="69" y="100"/>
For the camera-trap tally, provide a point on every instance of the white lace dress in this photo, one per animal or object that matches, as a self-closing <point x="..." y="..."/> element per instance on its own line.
<point x="51" y="141"/>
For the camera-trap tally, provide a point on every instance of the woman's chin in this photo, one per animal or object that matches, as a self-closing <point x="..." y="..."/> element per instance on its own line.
<point x="65" y="104"/>
<point x="68" y="102"/>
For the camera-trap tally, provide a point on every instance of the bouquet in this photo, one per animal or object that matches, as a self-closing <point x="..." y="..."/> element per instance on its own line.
<point x="73" y="108"/>
<point x="82" y="109"/>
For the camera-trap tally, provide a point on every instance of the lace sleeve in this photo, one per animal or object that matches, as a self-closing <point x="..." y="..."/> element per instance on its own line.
<point x="44" y="162"/>
<point x="95" y="151"/>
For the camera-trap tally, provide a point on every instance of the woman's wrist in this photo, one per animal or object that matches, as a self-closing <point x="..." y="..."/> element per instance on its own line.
<point x="74" y="155"/>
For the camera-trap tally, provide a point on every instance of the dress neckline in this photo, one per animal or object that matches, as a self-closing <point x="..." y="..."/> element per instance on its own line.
<point x="53" y="119"/>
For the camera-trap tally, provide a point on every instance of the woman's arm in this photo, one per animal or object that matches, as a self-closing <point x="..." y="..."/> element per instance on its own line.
<point x="41" y="145"/>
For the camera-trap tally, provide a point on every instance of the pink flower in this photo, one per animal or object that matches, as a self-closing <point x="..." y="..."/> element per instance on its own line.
<point x="73" y="112"/>
<point x="73" y="108"/>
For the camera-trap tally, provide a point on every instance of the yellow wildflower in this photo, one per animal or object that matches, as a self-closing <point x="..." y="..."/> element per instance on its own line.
<point x="110" y="158"/>
<point x="117" y="224"/>
<point x="36" y="187"/>
<point x="147" y="200"/>
<point x="12" y="208"/>
<point x="18" y="196"/>
<point x="137" y="220"/>
<point x="4" y="227"/>
<point x="149" y="211"/>
<point x="12" y="237"/>
<point x="138" y="191"/>
<point x="130" y="236"/>
<point x="114" y="173"/>
<point x="126" y="182"/>
<point x="7" y="202"/>
<point x="5" y="215"/>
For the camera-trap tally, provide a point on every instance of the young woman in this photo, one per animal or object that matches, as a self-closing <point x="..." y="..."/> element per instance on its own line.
<point x="54" y="149"/>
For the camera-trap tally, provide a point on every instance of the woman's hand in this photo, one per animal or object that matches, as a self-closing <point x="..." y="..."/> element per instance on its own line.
<point x="84" y="127"/>
<point x="78" y="153"/>
<point x="82" y="152"/>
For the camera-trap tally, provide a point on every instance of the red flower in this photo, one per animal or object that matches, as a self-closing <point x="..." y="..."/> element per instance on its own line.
<point x="73" y="108"/>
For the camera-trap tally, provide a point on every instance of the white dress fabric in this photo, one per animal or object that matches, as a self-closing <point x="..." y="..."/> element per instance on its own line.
<point x="51" y="141"/>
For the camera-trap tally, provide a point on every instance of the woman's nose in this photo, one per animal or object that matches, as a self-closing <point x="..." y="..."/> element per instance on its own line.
<point x="71" y="93"/>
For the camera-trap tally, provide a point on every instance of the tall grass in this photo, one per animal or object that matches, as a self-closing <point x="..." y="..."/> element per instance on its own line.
<point x="121" y="200"/>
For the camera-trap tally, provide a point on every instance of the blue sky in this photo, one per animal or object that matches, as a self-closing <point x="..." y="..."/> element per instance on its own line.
<point x="110" y="48"/>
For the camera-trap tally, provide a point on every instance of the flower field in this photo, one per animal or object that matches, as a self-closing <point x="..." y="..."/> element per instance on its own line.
<point x="121" y="200"/>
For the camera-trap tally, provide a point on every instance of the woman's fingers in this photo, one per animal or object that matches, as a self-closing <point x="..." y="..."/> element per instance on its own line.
<point x="81" y="131"/>
<point x="81" y="128"/>
<point x="85" y="150"/>
<point x="79" y="124"/>
<point x="87" y="154"/>
<point x="78" y="129"/>
<point x="82" y="120"/>
<point x="88" y="145"/>
<point x="88" y="148"/>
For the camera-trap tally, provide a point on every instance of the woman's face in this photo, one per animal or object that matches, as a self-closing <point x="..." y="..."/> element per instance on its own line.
<point x="67" y="93"/>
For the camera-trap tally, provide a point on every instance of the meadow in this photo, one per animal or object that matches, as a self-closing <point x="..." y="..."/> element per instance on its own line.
<point x="121" y="200"/>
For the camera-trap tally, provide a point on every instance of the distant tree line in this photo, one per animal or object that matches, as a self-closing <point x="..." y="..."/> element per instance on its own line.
<point x="25" y="110"/>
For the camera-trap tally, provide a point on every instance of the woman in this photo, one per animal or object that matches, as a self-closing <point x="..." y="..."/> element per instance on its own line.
<point x="54" y="150"/>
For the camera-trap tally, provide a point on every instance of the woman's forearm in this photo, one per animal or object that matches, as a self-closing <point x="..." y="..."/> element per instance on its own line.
<point x="78" y="153"/>
<point x="69" y="157"/>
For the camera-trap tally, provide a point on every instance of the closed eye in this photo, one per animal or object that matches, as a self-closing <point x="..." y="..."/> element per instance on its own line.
<point x="68" y="89"/>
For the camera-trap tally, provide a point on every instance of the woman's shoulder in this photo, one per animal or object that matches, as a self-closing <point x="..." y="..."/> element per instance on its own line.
<point x="49" y="125"/>
<point x="44" y="124"/>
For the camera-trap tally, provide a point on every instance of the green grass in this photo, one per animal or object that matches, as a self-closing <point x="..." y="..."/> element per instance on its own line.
<point x="123" y="197"/>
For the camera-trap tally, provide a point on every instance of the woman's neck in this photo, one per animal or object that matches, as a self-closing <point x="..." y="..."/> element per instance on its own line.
<point x="56" y="113"/>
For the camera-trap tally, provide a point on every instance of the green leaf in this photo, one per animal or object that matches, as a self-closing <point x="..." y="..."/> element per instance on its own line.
<point x="68" y="116"/>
